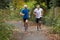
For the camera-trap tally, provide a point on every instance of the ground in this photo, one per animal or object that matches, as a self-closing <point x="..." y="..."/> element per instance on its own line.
<point x="32" y="34"/>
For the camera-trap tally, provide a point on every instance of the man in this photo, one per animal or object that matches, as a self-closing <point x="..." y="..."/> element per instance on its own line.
<point x="38" y="12"/>
<point x="25" y="14"/>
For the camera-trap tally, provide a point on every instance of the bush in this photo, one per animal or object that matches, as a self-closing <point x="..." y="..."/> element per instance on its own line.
<point x="55" y="30"/>
<point x="5" y="31"/>
<point x="52" y="19"/>
<point x="48" y="17"/>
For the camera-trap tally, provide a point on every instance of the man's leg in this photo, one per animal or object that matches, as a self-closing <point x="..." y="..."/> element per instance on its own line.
<point x="40" y="22"/>
<point x="26" y="25"/>
<point x="37" y="27"/>
<point x="37" y="24"/>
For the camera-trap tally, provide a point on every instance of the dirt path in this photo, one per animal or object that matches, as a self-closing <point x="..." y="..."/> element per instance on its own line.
<point x="32" y="33"/>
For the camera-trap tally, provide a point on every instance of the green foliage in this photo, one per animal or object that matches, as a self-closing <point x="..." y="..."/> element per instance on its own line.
<point x="4" y="4"/>
<point x="14" y="15"/>
<point x="26" y="0"/>
<point x="51" y="20"/>
<point x="58" y="3"/>
<point x="48" y="17"/>
<point x="49" y="3"/>
<point x="38" y="1"/>
<point x="55" y="3"/>
<point x="56" y="30"/>
<point x="30" y="4"/>
<point x="5" y="29"/>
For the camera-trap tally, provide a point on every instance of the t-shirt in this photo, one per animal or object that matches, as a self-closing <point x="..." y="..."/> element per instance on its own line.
<point x="38" y="12"/>
<point x="26" y="13"/>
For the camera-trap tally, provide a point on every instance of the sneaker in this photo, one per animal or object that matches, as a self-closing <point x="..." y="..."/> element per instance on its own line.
<point x="37" y="28"/>
<point x="26" y="28"/>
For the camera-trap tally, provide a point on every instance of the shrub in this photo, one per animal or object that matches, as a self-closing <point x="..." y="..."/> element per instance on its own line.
<point x="5" y="31"/>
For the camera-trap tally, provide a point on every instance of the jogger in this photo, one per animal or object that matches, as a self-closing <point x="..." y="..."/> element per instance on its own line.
<point x="38" y="12"/>
<point x="25" y="14"/>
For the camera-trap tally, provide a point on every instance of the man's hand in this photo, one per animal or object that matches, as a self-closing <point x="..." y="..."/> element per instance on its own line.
<point x="21" y="14"/>
<point x="29" y="16"/>
<point x="34" y="13"/>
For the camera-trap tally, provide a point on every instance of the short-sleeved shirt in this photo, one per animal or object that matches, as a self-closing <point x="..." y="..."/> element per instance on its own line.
<point x="26" y="13"/>
<point x="38" y="12"/>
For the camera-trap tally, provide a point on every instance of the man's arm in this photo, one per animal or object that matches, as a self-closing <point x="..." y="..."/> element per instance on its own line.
<point x="34" y="13"/>
<point x="21" y="13"/>
<point x="29" y="14"/>
<point x="42" y="12"/>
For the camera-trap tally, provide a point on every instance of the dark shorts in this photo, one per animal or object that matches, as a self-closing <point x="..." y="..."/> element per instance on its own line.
<point x="24" y="20"/>
<point x="38" y="20"/>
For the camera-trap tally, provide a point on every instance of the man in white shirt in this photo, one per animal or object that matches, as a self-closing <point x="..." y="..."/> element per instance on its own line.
<point x="38" y="12"/>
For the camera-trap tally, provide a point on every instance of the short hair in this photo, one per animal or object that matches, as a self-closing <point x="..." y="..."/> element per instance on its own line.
<point x="25" y="5"/>
<point x="37" y="5"/>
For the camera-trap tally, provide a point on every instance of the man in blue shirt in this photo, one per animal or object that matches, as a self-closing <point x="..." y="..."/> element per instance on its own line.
<point x="25" y="14"/>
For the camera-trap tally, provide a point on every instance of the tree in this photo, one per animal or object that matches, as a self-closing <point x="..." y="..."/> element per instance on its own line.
<point x="4" y="3"/>
<point x="26" y="0"/>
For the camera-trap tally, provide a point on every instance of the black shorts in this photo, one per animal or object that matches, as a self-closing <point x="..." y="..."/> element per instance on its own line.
<point x="38" y="20"/>
<point x="24" y="20"/>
